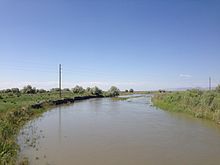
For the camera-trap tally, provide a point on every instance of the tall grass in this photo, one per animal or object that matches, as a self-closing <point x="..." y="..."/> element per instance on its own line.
<point x="201" y="104"/>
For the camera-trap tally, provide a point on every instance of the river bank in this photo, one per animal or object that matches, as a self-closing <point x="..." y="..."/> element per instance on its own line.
<point x="200" y="104"/>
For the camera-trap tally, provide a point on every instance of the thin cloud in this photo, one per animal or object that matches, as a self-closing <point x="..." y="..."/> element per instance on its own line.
<point x="185" y="76"/>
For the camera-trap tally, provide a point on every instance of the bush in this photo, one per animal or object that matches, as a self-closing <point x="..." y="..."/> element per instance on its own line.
<point x="7" y="90"/>
<point x="15" y="90"/>
<point x="88" y="90"/>
<point x="113" y="91"/>
<point x="218" y="88"/>
<point x="96" y="91"/>
<point x="162" y="91"/>
<point x="66" y="90"/>
<point x="207" y="98"/>
<point x="131" y="90"/>
<point x="78" y="89"/>
<point x="29" y="90"/>
<point x="195" y="92"/>
<point x="55" y="90"/>
<point x="41" y="91"/>
<point x="203" y="104"/>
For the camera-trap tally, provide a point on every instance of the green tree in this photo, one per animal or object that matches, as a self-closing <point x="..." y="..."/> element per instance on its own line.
<point x="113" y="91"/>
<point x="41" y="91"/>
<point x="7" y="90"/>
<point x="66" y="89"/>
<point x="96" y="91"/>
<point x="78" y="89"/>
<point x="131" y="90"/>
<point x="55" y="90"/>
<point x="15" y="90"/>
<point x="218" y="88"/>
<point x="88" y="90"/>
<point x="29" y="89"/>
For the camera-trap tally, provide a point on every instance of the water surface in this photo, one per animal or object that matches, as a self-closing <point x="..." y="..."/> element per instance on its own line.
<point x="107" y="132"/>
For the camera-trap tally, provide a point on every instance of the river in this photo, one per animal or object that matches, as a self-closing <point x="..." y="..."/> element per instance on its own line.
<point x="108" y="132"/>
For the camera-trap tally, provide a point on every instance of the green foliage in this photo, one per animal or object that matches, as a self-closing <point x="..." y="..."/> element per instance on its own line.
<point x="88" y="90"/>
<point x="29" y="90"/>
<point x="41" y="91"/>
<point x="202" y="104"/>
<point x="10" y="123"/>
<point x="78" y="89"/>
<point x="131" y="90"/>
<point x="218" y="88"/>
<point x="113" y="91"/>
<point x="55" y="90"/>
<point x="7" y="90"/>
<point x="96" y="91"/>
<point x="15" y="90"/>
<point x="66" y="89"/>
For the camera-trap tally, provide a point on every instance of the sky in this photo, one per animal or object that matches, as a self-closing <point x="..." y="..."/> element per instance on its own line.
<point x="139" y="44"/>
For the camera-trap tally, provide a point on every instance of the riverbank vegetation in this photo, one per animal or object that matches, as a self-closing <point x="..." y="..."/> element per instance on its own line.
<point x="201" y="104"/>
<point x="16" y="109"/>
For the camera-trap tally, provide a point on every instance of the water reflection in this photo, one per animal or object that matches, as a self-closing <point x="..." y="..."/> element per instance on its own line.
<point x="60" y="126"/>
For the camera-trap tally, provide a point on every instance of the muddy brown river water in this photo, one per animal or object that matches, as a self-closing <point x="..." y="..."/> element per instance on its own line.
<point x="107" y="132"/>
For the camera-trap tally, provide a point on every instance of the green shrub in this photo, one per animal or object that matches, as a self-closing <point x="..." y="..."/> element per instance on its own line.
<point x="41" y="91"/>
<point x="131" y="90"/>
<point x="218" y="88"/>
<point x="66" y="90"/>
<point x="55" y="90"/>
<point x="113" y="91"/>
<point x="29" y="90"/>
<point x="96" y="91"/>
<point x="78" y="90"/>
<point x="201" y="104"/>
<point x="7" y="91"/>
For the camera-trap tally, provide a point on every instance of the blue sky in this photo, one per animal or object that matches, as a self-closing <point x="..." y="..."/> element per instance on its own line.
<point x="140" y="44"/>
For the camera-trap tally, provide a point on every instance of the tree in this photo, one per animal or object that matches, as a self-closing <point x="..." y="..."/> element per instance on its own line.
<point x="131" y="90"/>
<point x="41" y="91"/>
<point x="15" y="90"/>
<point x="66" y="89"/>
<point x="7" y="90"/>
<point x="126" y="91"/>
<point x="218" y="88"/>
<point x="96" y="91"/>
<point x="88" y="90"/>
<point x="55" y="90"/>
<point x="113" y="91"/>
<point x="162" y="91"/>
<point x="29" y="89"/>
<point x="78" y="89"/>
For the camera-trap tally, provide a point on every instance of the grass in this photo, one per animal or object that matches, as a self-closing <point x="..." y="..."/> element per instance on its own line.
<point x="15" y="111"/>
<point x="201" y="104"/>
<point x="119" y="98"/>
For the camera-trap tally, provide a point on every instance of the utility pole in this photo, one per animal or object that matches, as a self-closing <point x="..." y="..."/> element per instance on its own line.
<point x="210" y="83"/>
<point x="60" y="79"/>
